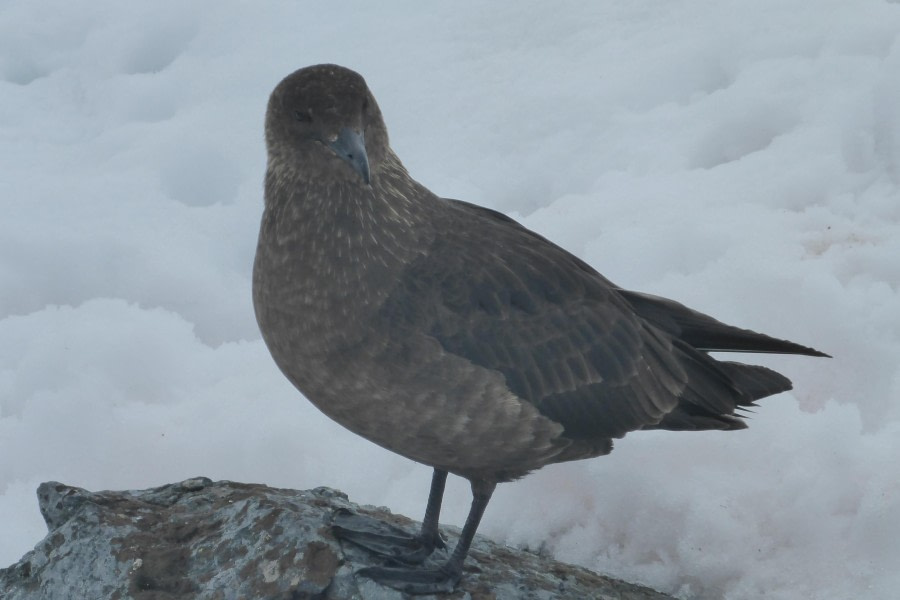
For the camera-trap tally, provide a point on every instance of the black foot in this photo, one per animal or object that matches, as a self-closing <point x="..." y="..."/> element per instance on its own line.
<point x="439" y="580"/>
<point x="383" y="538"/>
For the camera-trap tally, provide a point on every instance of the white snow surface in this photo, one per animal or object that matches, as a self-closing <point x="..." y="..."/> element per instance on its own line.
<point x="740" y="157"/>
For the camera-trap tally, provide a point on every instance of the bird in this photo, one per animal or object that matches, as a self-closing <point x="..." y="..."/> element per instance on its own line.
<point x="450" y="334"/>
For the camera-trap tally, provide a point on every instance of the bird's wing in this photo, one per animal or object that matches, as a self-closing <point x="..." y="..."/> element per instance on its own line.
<point x="706" y="333"/>
<point x="506" y="299"/>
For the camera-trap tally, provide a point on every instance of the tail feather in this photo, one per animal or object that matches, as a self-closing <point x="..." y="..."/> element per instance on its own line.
<point x="715" y="389"/>
<point x="754" y="381"/>
<point x="685" y="418"/>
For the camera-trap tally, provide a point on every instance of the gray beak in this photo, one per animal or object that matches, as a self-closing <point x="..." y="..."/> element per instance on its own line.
<point x="351" y="147"/>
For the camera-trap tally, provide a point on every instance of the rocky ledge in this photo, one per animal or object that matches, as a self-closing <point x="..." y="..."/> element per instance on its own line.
<point x="205" y="540"/>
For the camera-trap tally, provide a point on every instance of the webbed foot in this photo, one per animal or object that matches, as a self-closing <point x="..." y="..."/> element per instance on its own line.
<point x="383" y="538"/>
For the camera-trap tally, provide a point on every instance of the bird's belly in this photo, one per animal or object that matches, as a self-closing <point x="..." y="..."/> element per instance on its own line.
<point x="432" y="407"/>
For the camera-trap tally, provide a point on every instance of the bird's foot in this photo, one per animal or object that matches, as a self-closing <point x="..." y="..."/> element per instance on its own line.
<point x="383" y="538"/>
<point x="436" y="580"/>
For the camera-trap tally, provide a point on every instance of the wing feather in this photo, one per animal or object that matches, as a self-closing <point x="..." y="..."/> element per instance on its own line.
<point x="507" y="300"/>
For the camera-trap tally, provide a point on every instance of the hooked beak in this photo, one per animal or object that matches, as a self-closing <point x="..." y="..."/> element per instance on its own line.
<point x="351" y="147"/>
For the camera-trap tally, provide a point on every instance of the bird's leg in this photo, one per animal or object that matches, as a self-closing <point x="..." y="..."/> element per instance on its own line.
<point x="442" y="579"/>
<point x="390" y="541"/>
<point x="429" y="534"/>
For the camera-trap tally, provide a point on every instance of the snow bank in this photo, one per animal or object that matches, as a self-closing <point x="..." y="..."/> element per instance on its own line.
<point x="743" y="158"/>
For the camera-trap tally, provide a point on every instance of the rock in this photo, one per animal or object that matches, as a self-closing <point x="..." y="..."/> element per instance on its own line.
<point x="201" y="540"/>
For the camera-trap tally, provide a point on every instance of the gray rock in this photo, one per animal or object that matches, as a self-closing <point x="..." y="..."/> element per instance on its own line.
<point x="208" y="540"/>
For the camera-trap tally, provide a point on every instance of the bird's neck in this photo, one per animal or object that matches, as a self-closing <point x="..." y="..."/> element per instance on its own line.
<point x="339" y="222"/>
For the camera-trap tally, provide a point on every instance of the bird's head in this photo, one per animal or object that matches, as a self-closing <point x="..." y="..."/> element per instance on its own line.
<point x="323" y="123"/>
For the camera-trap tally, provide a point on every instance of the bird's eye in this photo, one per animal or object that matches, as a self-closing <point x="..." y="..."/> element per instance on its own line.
<point x="303" y="117"/>
<point x="365" y="105"/>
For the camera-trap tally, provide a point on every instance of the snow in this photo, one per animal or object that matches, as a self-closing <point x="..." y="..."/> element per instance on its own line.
<point x="743" y="158"/>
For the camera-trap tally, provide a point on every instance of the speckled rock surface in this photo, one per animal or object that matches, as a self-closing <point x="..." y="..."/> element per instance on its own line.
<point x="207" y="540"/>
